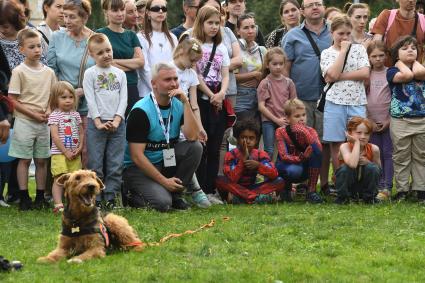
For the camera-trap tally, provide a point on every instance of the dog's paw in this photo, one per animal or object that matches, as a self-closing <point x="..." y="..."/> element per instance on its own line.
<point x="45" y="259"/>
<point x="74" y="260"/>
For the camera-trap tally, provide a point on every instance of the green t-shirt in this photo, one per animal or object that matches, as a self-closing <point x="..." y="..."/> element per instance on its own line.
<point x="123" y="44"/>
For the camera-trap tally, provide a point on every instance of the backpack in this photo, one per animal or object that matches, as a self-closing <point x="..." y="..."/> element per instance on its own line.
<point x="391" y="19"/>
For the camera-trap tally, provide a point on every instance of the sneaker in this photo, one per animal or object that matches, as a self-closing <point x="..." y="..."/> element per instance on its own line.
<point x="328" y="189"/>
<point x="98" y="204"/>
<point x="400" y="196"/>
<point x="12" y="199"/>
<point x="314" y="198"/>
<point x="58" y="209"/>
<point x="25" y="204"/>
<point x="201" y="199"/>
<point x="110" y="205"/>
<point x="383" y="195"/>
<point x="341" y="200"/>
<point x="180" y="204"/>
<point x="41" y="203"/>
<point x="3" y="203"/>
<point x="287" y="195"/>
<point x="263" y="199"/>
<point x="214" y="199"/>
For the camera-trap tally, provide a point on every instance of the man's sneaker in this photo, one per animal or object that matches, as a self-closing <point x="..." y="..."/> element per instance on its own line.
<point x="25" y="204"/>
<point x="180" y="204"/>
<point x="383" y="195"/>
<point x="201" y="199"/>
<point x="214" y="199"/>
<point x="3" y="203"/>
<point x="313" y="197"/>
<point x="400" y="196"/>
<point x="341" y="200"/>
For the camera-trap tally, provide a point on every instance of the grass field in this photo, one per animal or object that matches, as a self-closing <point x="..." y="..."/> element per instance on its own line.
<point x="260" y="243"/>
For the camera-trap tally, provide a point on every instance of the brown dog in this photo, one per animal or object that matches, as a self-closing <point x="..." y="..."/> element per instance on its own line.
<point x="83" y="230"/>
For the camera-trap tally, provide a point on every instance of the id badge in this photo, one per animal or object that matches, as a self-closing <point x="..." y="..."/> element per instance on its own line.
<point x="169" y="157"/>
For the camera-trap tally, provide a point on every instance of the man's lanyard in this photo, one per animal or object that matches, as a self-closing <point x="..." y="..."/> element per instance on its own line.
<point x="161" y="120"/>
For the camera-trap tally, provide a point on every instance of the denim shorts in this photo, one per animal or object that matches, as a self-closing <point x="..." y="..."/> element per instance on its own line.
<point x="335" y="118"/>
<point x="30" y="139"/>
<point x="246" y="99"/>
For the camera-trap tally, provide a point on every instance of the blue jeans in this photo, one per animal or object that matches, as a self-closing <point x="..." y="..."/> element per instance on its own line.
<point x="106" y="156"/>
<point x="269" y="129"/>
<point x="298" y="172"/>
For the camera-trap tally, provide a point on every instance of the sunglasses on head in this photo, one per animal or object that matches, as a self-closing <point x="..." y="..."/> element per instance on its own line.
<point x="156" y="9"/>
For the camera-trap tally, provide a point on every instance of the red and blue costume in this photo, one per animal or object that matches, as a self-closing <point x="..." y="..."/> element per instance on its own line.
<point x="300" y="155"/>
<point x="242" y="182"/>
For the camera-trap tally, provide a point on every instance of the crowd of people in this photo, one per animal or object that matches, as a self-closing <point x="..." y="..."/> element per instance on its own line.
<point x="158" y="112"/>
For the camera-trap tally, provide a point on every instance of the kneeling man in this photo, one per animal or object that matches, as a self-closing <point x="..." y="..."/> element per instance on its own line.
<point x="157" y="165"/>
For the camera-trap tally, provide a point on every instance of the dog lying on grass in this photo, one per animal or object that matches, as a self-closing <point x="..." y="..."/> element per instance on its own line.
<point x="85" y="234"/>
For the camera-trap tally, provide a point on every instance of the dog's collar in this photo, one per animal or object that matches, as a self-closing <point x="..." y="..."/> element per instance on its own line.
<point x="76" y="229"/>
<point x="92" y="228"/>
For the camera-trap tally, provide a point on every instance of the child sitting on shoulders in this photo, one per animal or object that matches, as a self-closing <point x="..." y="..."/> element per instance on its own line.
<point x="360" y="161"/>
<point x="299" y="152"/>
<point x="250" y="176"/>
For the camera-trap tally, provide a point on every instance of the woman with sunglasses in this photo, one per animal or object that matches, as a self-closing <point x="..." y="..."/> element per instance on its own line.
<point x="158" y="43"/>
<point x="128" y="55"/>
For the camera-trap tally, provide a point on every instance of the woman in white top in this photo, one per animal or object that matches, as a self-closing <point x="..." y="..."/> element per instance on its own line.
<point x="157" y="41"/>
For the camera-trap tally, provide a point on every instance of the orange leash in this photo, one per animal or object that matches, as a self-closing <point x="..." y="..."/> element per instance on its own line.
<point x="171" y="236"/>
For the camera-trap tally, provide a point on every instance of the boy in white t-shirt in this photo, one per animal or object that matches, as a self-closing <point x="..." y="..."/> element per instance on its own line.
<point x="30" y="90"/>
<point x="105" y="89"/>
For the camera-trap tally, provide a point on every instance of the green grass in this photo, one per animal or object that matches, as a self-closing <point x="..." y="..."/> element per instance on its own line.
<point x="287" y="242"/>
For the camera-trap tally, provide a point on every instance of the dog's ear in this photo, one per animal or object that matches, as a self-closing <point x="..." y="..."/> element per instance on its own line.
<point x="101" y="185"/>
<point x="62" y="179"/>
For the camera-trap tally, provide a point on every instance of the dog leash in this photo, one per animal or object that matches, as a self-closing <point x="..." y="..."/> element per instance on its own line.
<point x="176" y="235"/>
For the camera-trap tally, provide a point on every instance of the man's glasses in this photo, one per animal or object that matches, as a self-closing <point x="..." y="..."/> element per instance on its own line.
<point x="314" y="4"/>
<point x="156" y="9"/>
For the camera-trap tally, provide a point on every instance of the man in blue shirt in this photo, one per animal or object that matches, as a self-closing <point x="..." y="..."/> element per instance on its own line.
<point x="303" y="66"/>
<point x="157" y="165"/>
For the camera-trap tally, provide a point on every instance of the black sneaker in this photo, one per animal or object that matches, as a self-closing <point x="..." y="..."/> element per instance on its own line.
<point x="180" y="204"/>
<point x="12" y="199"/>
<point x="286" y="195"/>
<point x="400" y="196"/>
<point x="314" y="198"/>
<point x="25" y="204"/>
<point x="41" y="203"/>
<point x="99" y="204"/>
<point x="341" y="200"/>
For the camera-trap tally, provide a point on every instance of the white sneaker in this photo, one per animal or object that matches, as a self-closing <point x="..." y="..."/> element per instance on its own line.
<point x="3" y="203"/>
<point x="214" y="199"/>
<point x="201" y="199"/>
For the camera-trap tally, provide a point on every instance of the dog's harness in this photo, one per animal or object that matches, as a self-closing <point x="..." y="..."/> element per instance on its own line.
<point x="77" y="230"/>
